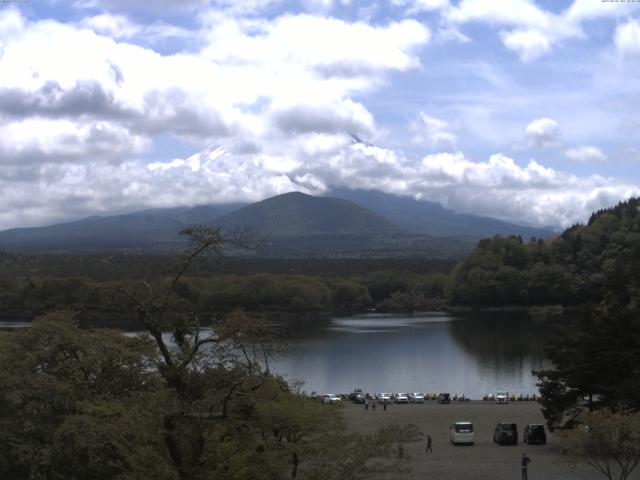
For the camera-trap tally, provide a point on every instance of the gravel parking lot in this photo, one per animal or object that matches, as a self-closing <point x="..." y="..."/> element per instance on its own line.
<point x="485" y="460"/>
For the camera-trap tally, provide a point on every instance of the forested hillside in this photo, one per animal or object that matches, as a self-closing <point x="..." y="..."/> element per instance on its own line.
<point x="583" y="265"/>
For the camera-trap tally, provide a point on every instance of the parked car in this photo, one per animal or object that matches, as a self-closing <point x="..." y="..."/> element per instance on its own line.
<point x="534" y="433"/>
<point x="444" y="398"/>
<point x="383" y="397"/>
<point x="416" y="397"/>
<point x="402" y="398"/>
<point x="355" y="392"/>
<point x="506" y="433"/>
<point x="502" y="397"/>
<point x="461" y="432"/>
<point x="357" y="396"/>
<point x="330" y="398"/>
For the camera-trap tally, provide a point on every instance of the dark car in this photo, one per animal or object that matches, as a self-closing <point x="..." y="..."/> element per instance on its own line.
<point x="506" y="433"/>
<point x="534" y="434"/>
<point x="357" y="396"/>
<point x="444" y="398"/>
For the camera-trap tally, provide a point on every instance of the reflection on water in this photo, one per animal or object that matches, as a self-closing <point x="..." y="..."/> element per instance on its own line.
<point x="10" y="325"/>
<point x="429" y="352"/>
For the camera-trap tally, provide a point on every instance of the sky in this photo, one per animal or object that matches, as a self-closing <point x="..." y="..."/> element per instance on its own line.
<point x="522" y="110"/>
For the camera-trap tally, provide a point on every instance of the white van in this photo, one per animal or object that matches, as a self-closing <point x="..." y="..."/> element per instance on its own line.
<point x="502" y="397"/>
<point x="461" y="432"/>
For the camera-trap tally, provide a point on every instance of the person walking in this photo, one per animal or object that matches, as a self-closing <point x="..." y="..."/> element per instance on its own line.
<point x="428" y="449"/>
<point x="366" y="404"/>
<point x="384" y="406"/>
<point x="524" y="463"/>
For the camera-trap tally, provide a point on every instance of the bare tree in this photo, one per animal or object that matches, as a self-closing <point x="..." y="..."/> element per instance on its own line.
<point x="607" y="441"/>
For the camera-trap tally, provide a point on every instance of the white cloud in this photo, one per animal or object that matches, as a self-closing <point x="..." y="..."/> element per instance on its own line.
<point x="497" y="187"/>
<point x="631" y="153"/>
<point x="116" y="26"/>
<point x="532" y="31"/>
<point x="528" y="44"/>
<point x="11" y="23"/>
<point x="313" y="163"/>
<point x="154" y="6"/>
<point x="582" y="10"/>
<point x="540" y="133"/>
<point x="521" y="13"/>
<point x="585" y="154"/>
<point x="121" y="27"/>
<point x="346" y="116"/>
<point x="414" y="6"/>
<point x="348" y="53"/>
<point x="451" y="33"/>
<point x="302" y="68"/>
<point x="433" y="132"/>
<point x="61" y="141"/>
<point x="627" y="38"/>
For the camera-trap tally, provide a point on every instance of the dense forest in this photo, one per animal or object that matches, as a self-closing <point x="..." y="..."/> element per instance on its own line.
<point x="288" y="291"/>
<point x="581" y="266"/>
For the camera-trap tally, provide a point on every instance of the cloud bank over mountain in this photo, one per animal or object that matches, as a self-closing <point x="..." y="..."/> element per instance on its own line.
<point x="103" y="104"/>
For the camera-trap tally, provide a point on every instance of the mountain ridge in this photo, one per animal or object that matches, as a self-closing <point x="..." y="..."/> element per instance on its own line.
<point x="431" y="218"/>
<point x="293" y="223"/>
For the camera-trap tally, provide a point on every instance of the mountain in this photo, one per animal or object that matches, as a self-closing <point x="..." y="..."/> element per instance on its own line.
<point x="361" y="223"/>
<point x="430" y="218"/>
<point x="151" y="228"/>
<point x="298" y="215"/>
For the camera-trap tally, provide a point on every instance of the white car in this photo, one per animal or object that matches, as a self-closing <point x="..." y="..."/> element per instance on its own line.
<point x="416" y="397"/>
<point x="330" y="398"/>
<point x="383" y="397"/>
<point x="402" y="398"/>
<point x="461" y="432"/>
<point x="502" y="397"/>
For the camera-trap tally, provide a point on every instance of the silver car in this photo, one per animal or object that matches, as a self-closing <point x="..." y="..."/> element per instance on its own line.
<point x="402" y="398"/>
<point x="383" y="397"/>
<point x="416" y="397"/>
<point x="330" y="398"/>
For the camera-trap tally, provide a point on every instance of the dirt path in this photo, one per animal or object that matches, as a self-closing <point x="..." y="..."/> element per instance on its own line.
<point x="484" y="460"/>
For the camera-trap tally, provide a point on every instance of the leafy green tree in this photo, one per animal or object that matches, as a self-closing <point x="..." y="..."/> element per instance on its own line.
<point x="78" y="401"/>
<point x="595" y="364"/>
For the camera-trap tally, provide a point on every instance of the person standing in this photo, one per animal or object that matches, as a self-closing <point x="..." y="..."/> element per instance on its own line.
<point x="524" y="463"/>
<point x="428" y="449"/>
<point x="366" y="404"/>
<point x="374" y="402"/>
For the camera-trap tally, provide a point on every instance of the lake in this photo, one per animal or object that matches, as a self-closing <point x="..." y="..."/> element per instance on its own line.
<point x="429" y="352"/>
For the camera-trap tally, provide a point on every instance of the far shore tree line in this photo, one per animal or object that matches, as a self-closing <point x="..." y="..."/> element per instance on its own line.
<point x="26" y="291"/>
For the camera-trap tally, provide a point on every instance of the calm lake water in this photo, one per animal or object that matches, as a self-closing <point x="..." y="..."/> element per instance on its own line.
<point x="430" y="352"/>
